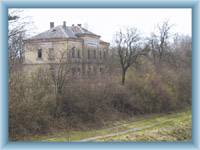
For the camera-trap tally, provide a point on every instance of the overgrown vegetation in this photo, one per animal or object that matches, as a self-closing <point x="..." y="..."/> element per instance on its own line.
<point x="88" y="104"/>
<point x="175" y="126"/>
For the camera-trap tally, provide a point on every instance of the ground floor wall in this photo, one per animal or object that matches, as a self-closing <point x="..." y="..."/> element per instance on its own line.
<point x="74" y="69"/>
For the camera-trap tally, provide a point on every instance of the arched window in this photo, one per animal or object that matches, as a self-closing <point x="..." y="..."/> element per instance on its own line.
<point x="40" y="53"/>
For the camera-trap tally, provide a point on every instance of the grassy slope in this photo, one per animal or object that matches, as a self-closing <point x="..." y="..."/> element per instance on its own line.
<point x="175" y="127"/>
<point x="162" y="127"/>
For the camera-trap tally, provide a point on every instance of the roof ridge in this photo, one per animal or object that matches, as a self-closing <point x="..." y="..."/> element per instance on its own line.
<point x="61" y="32"/>
<point x="64" y="31"/>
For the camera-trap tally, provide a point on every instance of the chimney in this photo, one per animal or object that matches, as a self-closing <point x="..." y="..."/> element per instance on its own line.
<point x="64" y="24"/>
<point x="79" y="25"/>
<point x="51" y="25"/>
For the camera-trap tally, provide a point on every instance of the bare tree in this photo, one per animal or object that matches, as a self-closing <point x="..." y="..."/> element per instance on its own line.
<point x="164" y="35"/>
<point x="15" y="34"/>
<point x="60" y="73"/>
<point x="159" y="42"/>
<point x="182" y="50"/>
<point x="153" y="45"/>
<point x="17" y="31"/>
<point x="128" y="49"/>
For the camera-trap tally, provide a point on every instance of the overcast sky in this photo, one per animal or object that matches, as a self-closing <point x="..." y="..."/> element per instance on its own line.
<point x="106" y="22"/>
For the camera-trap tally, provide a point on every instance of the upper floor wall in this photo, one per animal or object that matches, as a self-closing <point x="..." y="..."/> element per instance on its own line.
<point x="51" y="51"/>
<point x="48" y="51"/>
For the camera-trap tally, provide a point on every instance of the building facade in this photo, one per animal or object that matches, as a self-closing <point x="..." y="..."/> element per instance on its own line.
<point x="85" y="51"/>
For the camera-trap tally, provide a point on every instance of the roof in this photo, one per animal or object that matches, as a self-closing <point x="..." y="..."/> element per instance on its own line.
<point x="63" y="32"/>
<point x="101" y="41"/>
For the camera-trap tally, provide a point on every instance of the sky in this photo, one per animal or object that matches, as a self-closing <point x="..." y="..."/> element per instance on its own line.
<point x="106" y="22"/>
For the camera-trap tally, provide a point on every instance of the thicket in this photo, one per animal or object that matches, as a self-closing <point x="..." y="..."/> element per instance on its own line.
<point x="90" y="103"/>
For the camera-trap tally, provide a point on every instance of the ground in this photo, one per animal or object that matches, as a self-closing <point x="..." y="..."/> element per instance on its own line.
<point x="175" y="126"/>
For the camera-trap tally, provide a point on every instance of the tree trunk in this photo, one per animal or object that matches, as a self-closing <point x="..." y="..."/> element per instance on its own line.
<point x="123" y="76"/>
<point x="58" y="105"/>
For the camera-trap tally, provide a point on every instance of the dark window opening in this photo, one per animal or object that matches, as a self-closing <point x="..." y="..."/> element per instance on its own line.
<point x="73" y="52"/>
<point x="83" y="70"/>
<point x="73" y="71"/>
<point x="88" y="54"/>
<point x="78" y="53"/>
<point x="89" y="70"/>
<point x="104" y="54"/>
<point x="79" y="71"/>
<point x="100" y="69"/>
<point x="95" y="70"/>
<point x="40" y="53"/>
<point x="94" y="53"/>
<point x="100" y="55"/>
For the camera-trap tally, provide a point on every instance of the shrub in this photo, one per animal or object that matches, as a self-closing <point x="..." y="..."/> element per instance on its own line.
<point x="29" y="105"/>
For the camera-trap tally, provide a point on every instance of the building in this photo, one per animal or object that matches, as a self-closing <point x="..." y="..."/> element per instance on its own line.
<point x="85" y="51"/>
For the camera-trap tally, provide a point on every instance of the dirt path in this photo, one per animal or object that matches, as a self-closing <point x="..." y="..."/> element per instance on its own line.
<point x="118" y="133"/>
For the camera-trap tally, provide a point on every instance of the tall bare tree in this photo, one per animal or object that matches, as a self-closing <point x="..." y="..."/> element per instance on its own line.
<point x="60" y="73"/>
<point x="128" y="48"/>
<point x="182" y="50"/>
<point x="159" y="42"/>
<point x="17" y="31"/>
<point x="163" y="36"/>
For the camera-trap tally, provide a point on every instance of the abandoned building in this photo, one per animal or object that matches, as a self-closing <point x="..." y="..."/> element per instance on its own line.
<point x="85" y="51"/>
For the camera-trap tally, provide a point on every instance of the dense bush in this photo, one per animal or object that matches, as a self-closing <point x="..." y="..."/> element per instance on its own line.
<point x="89" y="103"/>
<point x="162" y="91"/>
<point x="30" y="104"/>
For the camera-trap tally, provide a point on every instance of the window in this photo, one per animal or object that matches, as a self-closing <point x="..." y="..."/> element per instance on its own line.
<point x="94" y="53"/>
<point x="104" y="55"/>
<point x="73" y="71"/>
<point x="40" y="53"/>
<point x="83" y="70"/>
<point x="100" y="54"/>
<point x="89" y="69"/>
<point x="73" y="52"/>
<point x="95" y="70"/>
<point x="78" y="53"/>
<point x="88" y="54"/>
<point x="100" y="69"/>
<point x="78" y="71"/>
